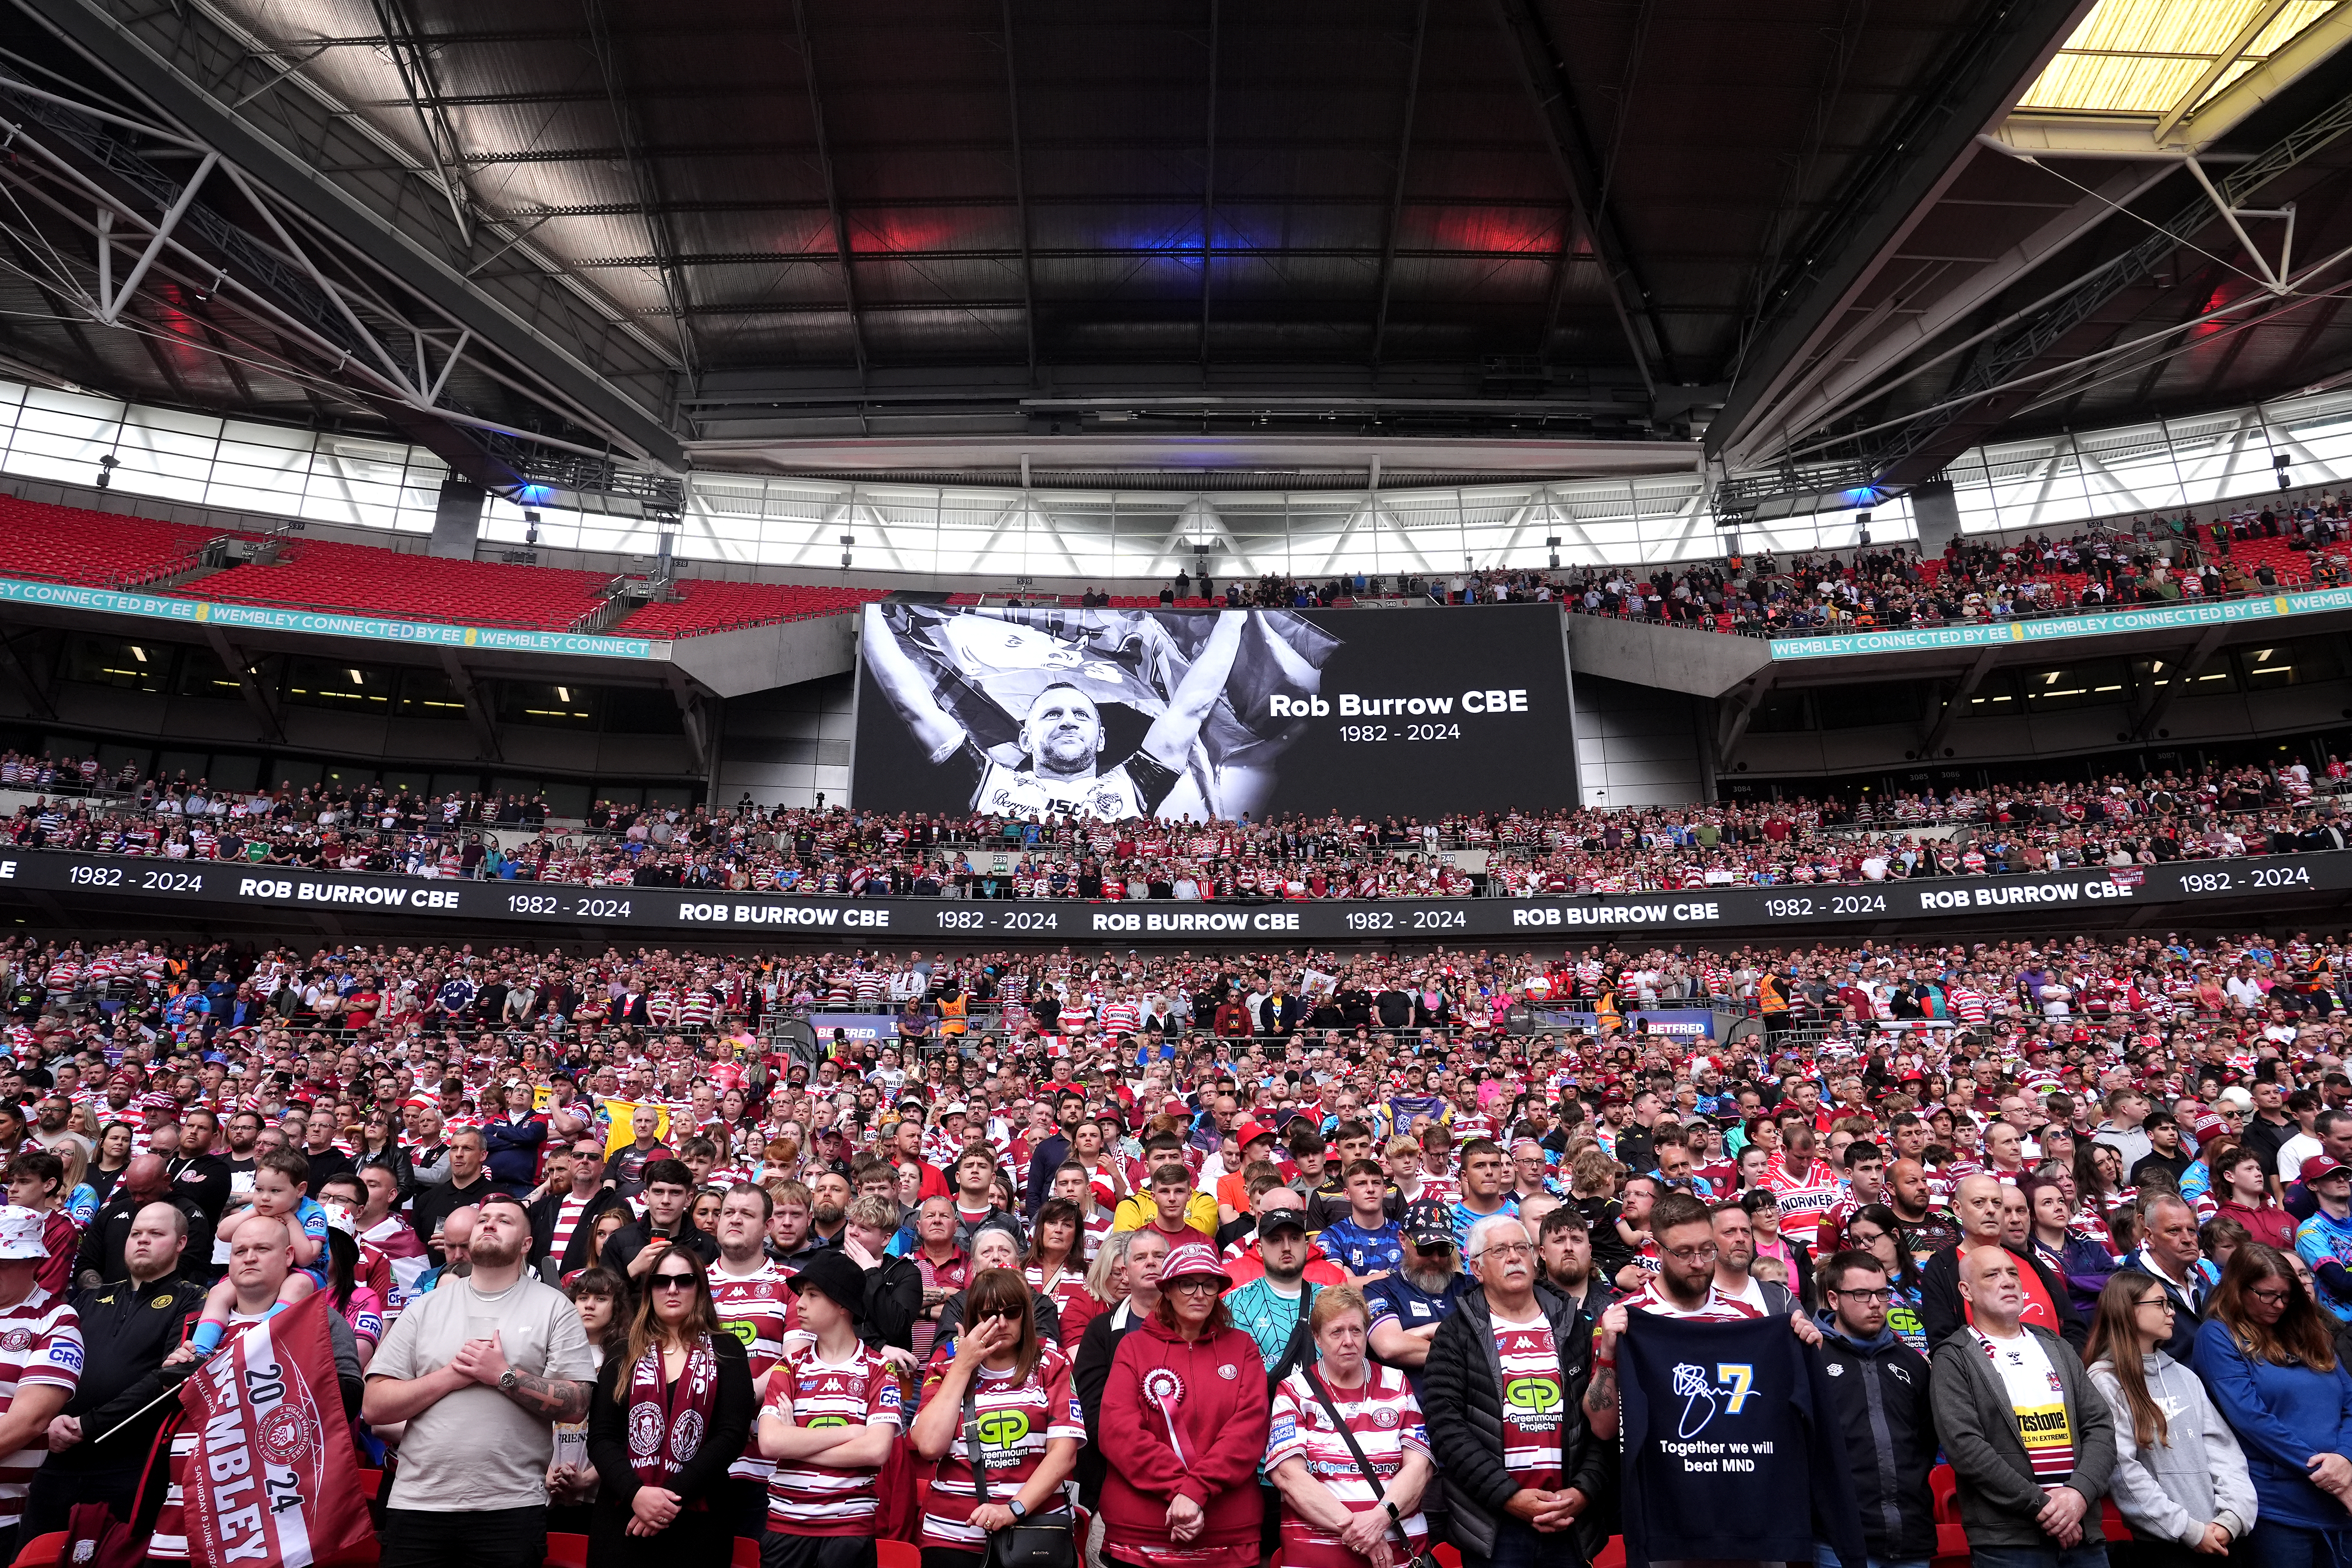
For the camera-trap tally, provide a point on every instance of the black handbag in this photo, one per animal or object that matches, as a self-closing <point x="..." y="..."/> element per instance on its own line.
<point x="1039" y="1540"/>
<point x="1355" y="1452"/>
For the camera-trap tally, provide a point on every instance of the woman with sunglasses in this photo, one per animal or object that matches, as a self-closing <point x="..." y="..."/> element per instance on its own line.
<point x="2265" y="1353"/>
<point x="1184" y="1425"/>
<point x="1875" y="1229"/>
<point x="1007" y="1395"/>
<point x="672" y="1411"/>
<point x="1333" y="1514"/>
<point x="2180" y="1479"/>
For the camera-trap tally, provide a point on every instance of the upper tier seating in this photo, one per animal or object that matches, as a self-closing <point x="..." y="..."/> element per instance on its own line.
<point x="95" y="549"/>
<point x="365" y="580"/>
<point x="710" y="605"/>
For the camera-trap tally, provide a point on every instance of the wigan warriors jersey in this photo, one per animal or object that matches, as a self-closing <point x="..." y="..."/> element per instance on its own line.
<point x="806" y="1498"/>
<point x="759" y="1310"/>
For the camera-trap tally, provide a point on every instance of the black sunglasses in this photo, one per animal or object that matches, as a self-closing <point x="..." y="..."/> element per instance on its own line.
<point x="673" y="1281"/>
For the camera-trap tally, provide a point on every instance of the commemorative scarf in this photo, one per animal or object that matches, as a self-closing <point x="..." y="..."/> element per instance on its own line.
<point x="667" y="1425"/>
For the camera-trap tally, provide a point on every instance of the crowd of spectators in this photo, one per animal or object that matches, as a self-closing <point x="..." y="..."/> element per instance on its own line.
<point x="2252" y="549"/>
<point x="659" y="1281"/>
<point x="2115" y="821"/>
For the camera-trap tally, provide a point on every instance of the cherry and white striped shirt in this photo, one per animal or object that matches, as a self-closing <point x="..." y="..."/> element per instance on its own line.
<point x="40" y="1343"/>
<point x="1386" y="1422"/>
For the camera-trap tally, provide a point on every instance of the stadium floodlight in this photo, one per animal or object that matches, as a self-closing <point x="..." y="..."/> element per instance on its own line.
<point x="107" y="463"/>
<point x="1553" y="542"/>
<point x="1862" y="527"/>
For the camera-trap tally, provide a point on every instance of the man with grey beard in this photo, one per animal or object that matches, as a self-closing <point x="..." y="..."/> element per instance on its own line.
<point x="1408" y="1305"/>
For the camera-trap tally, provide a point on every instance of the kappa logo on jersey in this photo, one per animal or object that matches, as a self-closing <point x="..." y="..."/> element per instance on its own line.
<point x="1735" y="1380"/>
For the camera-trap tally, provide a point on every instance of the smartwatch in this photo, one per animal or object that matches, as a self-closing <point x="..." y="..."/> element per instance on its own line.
<point x="1017" y="1509"/>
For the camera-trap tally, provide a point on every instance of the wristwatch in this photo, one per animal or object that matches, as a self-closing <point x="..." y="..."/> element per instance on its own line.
<point x="507" y="1380"/>
<point x="1017" y="1509"/>
<point x="1393" y="1516"/>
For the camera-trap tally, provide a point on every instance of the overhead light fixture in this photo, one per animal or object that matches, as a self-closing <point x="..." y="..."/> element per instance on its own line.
<point x="564" y="694"/>
<point x="139" y="653"/>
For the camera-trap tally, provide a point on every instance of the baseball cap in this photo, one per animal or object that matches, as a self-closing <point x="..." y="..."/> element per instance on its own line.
<point x="1281" y="1215"/>
<point x="1252" y="1131"/>
<point x="2317" y="1168"/>
<point x="1429" y="1224"/>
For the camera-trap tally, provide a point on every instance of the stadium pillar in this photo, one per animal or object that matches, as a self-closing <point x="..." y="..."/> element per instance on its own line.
<point x="1937" y="513"/>
<point x="457" y="520"/>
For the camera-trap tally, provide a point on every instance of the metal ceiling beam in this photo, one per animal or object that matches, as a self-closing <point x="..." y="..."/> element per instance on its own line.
<point x="1902" y="324"/>
<point x="831" y="187"/>
<point x="2297" y="58"/>
<point x="1551" y="91"/>
<point x="644" y="173"/>
<point x="1396" y="188"/>
<point x="415" y="64"/>
<point x="1020" y="190"/>
<point x="292" y="179"/>
<point x="1967" y="90"/>
<point x="1209" y="184"/>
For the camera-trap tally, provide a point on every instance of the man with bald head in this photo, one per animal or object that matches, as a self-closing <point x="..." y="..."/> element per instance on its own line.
<point x="145" y="1180"/>
<point x="456" y="1246"/>
<point x="1921" y="1228"/>
<point x="2030" y="1440"/>
<point x="1944" y="1309"/>
<point x="127" y="1327"/>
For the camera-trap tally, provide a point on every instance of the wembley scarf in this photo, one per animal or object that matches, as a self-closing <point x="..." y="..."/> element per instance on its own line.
<point x="666" y="1426"/>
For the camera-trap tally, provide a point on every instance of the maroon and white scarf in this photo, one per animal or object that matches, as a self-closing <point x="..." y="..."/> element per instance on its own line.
<point x="667" y="1425"/>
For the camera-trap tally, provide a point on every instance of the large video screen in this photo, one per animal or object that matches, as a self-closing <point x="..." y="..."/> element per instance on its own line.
<point x="1193" y="715"/>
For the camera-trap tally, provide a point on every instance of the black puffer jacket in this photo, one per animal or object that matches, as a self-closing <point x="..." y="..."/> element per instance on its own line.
<point x="1461" y="1387"/>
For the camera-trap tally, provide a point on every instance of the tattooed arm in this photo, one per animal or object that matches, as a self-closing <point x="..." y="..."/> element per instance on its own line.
<point x="548" y="1399"/>
<point x="1600" y="1394"/>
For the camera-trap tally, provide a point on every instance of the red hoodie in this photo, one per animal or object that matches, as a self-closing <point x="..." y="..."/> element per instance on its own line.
<point x="1215" y="1391"/>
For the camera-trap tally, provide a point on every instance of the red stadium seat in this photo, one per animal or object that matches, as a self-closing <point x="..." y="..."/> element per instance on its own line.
<point x="42" y="1550"/>
<point x="1451" y="1557"/>
<point x="364" y="579"/>
<point x="897" y="1554"/>
<point x="1946" y="1486"/>
<point x="746" y="1553"/>
<point x="94" y="549"/>
<point x="1611" y="1555"/>
<point x="710" y="605"/>
<point x="567" y="1550"/>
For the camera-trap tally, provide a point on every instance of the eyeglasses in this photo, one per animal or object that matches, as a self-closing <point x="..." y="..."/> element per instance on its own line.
<point x="1693" y="1253"/>
<point x="2271" y="1298"/>
<point x="1877" y="1298"/>
<point x="673" y="1281"/>
<point x="1509" y="1250"/>
<point x="1192" y="1287"/>
<point x="2166" y="1302"/>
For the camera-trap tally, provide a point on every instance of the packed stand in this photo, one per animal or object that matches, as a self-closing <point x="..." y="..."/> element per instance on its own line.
<point x="2138" y="562"/>
<point x="2033" y="1254"/>
<point x="2116" y="822"/>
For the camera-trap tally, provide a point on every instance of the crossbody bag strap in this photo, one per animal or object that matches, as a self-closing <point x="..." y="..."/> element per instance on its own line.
<point x="972" y="1438"/>
<point x="1355" y="1450"/>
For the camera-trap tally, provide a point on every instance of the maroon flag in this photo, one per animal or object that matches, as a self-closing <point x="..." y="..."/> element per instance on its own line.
<point x="274" y="1482"/>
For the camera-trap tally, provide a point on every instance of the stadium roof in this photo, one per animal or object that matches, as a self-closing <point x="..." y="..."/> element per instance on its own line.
<point x="1826" y="240"/>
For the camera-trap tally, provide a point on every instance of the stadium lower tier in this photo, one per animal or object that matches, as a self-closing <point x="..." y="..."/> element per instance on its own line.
<point x="115" y="892"/>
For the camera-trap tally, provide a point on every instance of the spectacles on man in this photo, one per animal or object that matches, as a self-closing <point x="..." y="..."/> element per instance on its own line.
<point x="1869" y="1298"/>
<point x="1706" y="1253"/>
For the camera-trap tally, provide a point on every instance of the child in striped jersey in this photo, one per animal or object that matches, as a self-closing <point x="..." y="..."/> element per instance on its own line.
<point x="831" y="1418"/>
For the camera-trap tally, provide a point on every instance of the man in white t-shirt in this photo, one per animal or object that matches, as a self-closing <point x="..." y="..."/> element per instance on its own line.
<point x="480" y="1369"/>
